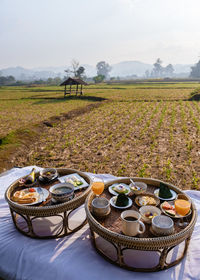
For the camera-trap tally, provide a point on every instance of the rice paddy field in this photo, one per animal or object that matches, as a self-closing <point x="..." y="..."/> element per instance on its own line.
<point x="145" y="130"/>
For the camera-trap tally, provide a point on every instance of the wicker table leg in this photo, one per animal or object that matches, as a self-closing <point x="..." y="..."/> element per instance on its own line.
<point x="78" y="227"/>
<point x="168" y="265"/>
<point x="64" y="228"/>
<point x="162" y="264"/>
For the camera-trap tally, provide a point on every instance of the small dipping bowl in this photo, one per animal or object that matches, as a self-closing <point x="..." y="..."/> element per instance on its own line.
<point x="48" y="174"/>
<point x="142" y="188"/>
<point x="62" y="192"/>
<point x="162" y="225"/>
<point x="100" y="206"/>
<point x="152" y="209"/>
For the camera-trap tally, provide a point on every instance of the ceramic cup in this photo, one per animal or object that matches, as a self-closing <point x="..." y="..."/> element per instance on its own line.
<point x="162" y="225"/>
<point x="100" y="206"/>
<point x="131" y="224"/>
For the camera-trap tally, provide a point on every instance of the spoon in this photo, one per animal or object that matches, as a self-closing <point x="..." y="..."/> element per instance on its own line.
<point x="133" y="182"/>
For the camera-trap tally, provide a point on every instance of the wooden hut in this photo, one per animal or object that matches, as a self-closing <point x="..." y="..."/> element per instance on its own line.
<point x="73" y="81"/>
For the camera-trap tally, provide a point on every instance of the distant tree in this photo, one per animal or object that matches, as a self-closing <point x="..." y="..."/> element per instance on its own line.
<point x="57" y="80"/>
<point x="168" y="70"/>
<point x="2" y="81"/>
<point x="39" y="82"/>
<point x="54" y="81"/>
<point x="147" y="74"/>
<point x="99" y="79"/>
<point x="158" y="69"/>
<point x="103" y="69"/>
<point x="49" y="81"/>
<point x="9" y="80"/>
<point x="80" y="72"/>
<point x="195" y="70"/>
<point x="76" y="70"/>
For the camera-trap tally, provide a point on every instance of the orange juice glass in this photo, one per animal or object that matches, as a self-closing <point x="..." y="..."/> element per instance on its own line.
<point x="182" y="206"/>
<point x="98" y="187"/>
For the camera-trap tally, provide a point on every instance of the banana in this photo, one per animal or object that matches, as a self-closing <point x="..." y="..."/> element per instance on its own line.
<point x="31" y="177"/>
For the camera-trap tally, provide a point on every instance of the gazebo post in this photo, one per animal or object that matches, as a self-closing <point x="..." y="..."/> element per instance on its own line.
<point x="70" y="88"/>
<point x="65" y="91"/>
<point x="81" y="89"/>
<point x="76" y="89"/>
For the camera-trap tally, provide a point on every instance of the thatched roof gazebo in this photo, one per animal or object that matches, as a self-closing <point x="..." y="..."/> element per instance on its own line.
<point x="73" y="81"/>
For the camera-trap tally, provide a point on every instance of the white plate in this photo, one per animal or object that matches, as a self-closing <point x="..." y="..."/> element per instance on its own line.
<point x="174" y="195"/>
<point x="112" y="202"/>
<point x="41" y="197"/>
<point x="70" y="179"/>
<point x="116" y="193"/>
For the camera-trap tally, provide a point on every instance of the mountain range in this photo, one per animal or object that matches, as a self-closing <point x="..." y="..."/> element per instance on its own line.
<point x="124" y="69"/>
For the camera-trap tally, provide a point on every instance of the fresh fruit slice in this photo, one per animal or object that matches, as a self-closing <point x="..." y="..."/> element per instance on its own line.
<point x="170" y="212"/>
<point x="167" y="206"/>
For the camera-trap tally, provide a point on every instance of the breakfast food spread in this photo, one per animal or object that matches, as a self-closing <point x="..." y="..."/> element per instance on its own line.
<point x="120" y="189"/>
<point x="135" y="188"/>
<point x="167" y="206"/>
<point x="29" y="179"/>
<point x="26" y="196"/>
<point x="164" y="191"/>
<point x="150" y="215"/>
<point x="146" y="200"/>
<point x="74" y="181"/>
<point x="169" y="209"/>
<point x="122" y="200"/>
<point x="172" y="210"/>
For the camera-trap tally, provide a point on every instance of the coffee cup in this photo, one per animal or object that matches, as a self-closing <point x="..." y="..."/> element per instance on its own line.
<point x="131" y="224"/>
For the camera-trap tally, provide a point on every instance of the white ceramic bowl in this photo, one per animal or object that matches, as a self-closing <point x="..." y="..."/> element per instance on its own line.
<point x="48" y="174"/>
<point x="66" y="194"/>
<point x="142" y="188"/>
<point x="152" y="209"/>
<point x="162" y="225"/>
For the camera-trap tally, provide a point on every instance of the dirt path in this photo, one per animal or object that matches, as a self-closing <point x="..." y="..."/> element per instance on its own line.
<point x="156" y="139"/>
<point x="19" y="144"/>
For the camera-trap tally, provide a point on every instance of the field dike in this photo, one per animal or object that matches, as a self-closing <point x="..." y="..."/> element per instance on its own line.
<point x="18" y="142"/>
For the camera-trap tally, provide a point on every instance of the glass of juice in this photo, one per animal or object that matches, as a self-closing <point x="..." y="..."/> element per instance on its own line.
<point x="97" y="186"/>
<point x="182" y="207"/>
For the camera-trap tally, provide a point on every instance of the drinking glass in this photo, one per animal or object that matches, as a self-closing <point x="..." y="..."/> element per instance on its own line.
<point x="97" y="186"/>
<point x="182" y="207"/>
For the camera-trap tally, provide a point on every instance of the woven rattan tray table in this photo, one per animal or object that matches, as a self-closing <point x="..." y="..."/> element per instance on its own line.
<point x="48" y="219"/>
<point x="109" y="230"/>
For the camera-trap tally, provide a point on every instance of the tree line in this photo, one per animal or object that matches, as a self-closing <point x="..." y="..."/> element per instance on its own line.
<point x="159" y="71"/>
<point x="103" y="69"/>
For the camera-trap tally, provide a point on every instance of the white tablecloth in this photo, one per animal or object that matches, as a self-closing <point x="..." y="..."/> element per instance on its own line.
<point x="73" y="257"/>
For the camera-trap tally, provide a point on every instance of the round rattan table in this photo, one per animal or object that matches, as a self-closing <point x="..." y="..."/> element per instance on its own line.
<point x="48" y="219"/>
<point x="109" y="230"/>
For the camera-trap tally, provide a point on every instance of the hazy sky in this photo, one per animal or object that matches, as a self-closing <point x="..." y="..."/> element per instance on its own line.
<point x="37" y="33"/>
